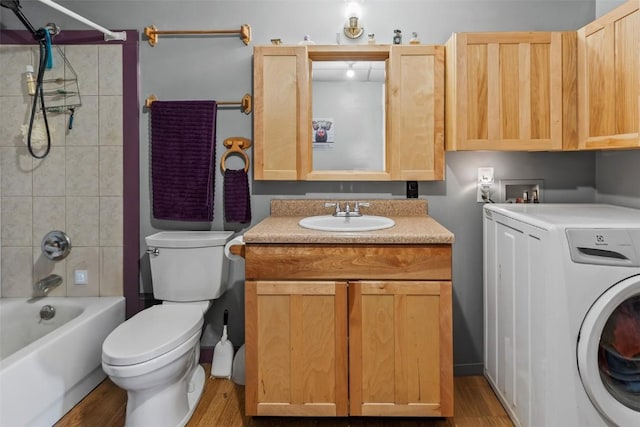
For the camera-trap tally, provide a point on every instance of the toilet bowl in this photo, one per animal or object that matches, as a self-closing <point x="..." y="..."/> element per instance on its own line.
<point x="154" y="355"/>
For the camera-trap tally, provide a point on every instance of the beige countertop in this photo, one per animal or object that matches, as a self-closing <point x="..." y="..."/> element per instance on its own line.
<point x="412" y="224"/>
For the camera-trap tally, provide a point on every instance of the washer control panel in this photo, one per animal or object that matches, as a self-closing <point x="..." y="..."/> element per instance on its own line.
<point x="604" y="246"/>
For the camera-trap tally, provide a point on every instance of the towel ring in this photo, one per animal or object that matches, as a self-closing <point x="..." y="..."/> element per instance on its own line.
<point x="237" y="145"/>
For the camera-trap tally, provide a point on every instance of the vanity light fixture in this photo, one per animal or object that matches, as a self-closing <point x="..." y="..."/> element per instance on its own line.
<point x="353" y="28"/>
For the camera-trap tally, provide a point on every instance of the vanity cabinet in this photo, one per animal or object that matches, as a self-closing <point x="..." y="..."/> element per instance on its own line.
<point x="413" y="124"/>
<point x="336" y="330"/>
<point x="609" y="77"/>
<point x="512" y="91"/>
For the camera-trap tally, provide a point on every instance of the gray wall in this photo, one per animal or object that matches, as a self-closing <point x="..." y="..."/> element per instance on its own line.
<point x="220" y="68"/>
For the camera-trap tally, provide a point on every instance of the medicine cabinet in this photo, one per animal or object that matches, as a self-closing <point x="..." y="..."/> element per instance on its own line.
<point x="313" y="123"/>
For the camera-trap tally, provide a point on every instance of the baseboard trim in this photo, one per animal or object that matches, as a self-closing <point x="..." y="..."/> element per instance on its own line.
<point x="466" y="369"/>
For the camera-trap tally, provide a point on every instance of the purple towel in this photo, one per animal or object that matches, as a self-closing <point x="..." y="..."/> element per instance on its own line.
<point x="182" y="157"/>
<point x="237" y="201"/>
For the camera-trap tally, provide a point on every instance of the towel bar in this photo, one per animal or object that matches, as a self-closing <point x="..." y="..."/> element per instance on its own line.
<point x="244" y="103"/>
<point x="152" y="33"/>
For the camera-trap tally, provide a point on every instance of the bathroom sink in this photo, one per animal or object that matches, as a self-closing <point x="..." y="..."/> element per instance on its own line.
<point x="346" y="223"/>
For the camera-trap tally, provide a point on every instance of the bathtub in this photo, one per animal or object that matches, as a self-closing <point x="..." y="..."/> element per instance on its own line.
<point x="47" y="366"/>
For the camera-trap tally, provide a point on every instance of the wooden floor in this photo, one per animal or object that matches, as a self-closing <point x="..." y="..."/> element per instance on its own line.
<point x="222" y="404"/>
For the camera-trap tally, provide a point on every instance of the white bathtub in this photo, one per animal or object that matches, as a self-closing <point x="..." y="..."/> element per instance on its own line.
<point x="53" y="363"/>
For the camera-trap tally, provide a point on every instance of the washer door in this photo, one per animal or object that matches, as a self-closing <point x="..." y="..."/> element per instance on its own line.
<point x="609" y="353"/>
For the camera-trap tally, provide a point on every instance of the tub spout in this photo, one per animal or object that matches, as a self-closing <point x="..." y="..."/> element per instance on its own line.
<point x="50" y="282"/>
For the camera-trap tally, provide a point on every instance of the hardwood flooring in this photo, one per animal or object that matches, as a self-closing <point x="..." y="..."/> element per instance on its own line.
<point x="222" y="404"/>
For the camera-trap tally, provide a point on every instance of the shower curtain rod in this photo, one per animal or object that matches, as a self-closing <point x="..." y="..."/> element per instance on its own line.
<point x="108" y="34"/>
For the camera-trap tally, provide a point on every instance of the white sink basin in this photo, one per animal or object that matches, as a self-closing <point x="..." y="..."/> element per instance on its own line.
<point x="346" y="223"/>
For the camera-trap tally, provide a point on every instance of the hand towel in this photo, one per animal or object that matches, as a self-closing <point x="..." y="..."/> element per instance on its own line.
<point x="182" y="159"/>
<point x="237" y="200"/>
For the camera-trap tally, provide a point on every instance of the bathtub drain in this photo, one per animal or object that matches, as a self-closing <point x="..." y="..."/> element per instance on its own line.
<point x="47" y="312"/>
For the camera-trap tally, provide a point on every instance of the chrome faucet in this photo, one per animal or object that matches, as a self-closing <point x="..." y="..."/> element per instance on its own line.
<point x="347" y="208"/>
<point x="48" y="283"/>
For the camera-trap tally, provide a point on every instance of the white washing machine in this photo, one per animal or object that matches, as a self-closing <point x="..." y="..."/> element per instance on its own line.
<point x="562" y="313"/>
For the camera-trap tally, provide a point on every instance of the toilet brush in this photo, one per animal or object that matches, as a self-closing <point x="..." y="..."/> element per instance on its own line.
<point x="223" y="353"/>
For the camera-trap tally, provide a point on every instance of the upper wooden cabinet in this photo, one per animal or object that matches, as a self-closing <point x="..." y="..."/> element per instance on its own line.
<point x="511" y="91"/>
<point x="609" y="80"/>
<point x="413" y="117"/>
<point x="281" y="111"/>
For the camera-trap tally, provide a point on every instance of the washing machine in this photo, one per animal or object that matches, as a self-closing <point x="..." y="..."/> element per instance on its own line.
<point x="562" y="313"/>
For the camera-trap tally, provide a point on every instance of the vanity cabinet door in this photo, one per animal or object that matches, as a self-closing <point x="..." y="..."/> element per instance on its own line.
<point x="400" y="348"/>
<point x="415" y="143"/>
<point x="609" y="77"/>
<point x="281" y="111"/>
<point x="296" y="348"/>
<point x="511" y="91"/>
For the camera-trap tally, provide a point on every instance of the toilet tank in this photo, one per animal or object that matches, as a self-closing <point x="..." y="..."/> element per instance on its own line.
<point x="188" y="265"/>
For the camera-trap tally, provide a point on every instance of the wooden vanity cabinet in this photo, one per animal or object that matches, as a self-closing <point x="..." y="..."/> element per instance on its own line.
<point x="511" y="91"/>
<point x="348" y="330"/>
<point x="414" y="142"/>
<point x="609" y="77"/>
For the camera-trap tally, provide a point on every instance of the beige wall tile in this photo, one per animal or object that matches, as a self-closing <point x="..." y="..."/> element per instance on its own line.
<point x="16" y="221"/>
<point x="14" y="61"/>
<point x="111" y="171"/>
<point x="111" y="223"/>
<point x="82" y="171"/>
<point x="49" y="176"/>
<point x="84" y="259"/>
<point x="14" y="112"/>
<point x="43" y="266"/>
<point x="110" y="70"/>
<point x="49" y="213"/>
<point x="17" y="272"/>
<point x="111" y="277"/>
<point x="15" y="172"/>
<point x="83" y="220"/>
<point x="85" y="123"/>
<point x="111" y="131"/>
<point x="84" y="60"/>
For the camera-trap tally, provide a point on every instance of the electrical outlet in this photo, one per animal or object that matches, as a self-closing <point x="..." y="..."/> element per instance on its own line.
<point x="485" y="184"/>
<point x="81" y="277"/>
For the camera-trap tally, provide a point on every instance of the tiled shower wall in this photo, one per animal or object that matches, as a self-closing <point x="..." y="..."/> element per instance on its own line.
<point x="77" y="188"/>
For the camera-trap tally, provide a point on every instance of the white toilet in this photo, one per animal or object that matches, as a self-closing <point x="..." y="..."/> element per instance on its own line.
<point x="154" y="355"/>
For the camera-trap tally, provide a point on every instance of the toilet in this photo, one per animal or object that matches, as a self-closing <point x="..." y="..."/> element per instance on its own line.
<point x="154" y="355"/>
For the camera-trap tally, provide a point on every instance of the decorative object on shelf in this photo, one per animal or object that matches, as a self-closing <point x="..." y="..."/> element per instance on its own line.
<point x="414" y="38"/>
<point x="353" y="29"/>
<point x="245" y="103"/>
<point x="372" y="38"/>
<point x="276" y="42"/>
<point x="306" y="40"/>
<point x="152" y="33"/>
<point x="397" y="37"/>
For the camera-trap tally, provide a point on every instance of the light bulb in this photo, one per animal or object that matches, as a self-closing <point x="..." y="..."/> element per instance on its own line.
<point x="350" y="72"/>
<point x="353" y="10"/>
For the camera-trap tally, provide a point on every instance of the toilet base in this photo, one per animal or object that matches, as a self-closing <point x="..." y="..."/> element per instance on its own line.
<point x="163" y="409"/>
<point x="194" y="392"/>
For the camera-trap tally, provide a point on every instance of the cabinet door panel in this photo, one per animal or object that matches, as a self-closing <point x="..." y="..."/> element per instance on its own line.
<point x="415" y="146"/>
<point x="510" y="91"/>
<point x="296" y="348"/>
<point x="609" y="76"/>
<point x="400" y="349"/>
<point x="281" y="87"/>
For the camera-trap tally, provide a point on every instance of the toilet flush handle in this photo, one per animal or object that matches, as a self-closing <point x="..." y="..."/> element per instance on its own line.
<point x="154" y="251"/>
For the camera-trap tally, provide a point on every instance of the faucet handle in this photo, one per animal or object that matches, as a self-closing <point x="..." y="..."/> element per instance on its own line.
<point x="356" y="209"/>
<point x="332" y="205"/>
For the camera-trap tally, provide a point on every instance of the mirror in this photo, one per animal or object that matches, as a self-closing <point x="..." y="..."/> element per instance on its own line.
<point x="348" y="115"/>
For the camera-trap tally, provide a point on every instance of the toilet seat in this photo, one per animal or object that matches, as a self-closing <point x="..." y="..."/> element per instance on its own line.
<point x="151" y="333"/>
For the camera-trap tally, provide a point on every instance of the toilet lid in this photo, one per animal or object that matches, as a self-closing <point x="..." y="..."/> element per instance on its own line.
<point x="151" y="333"/>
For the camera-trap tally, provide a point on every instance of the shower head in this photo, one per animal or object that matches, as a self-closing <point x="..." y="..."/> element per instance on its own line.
<point x="14" y="5"/>
<point x="11" y="4"/>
